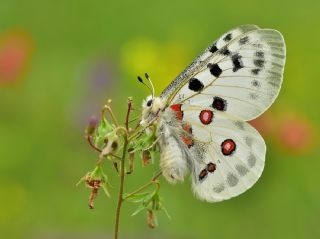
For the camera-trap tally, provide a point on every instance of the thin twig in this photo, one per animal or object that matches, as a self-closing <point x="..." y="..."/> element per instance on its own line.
<point x="89" y="139"/>
<point x="152" y="181"/>
<point x="108" y="108"/>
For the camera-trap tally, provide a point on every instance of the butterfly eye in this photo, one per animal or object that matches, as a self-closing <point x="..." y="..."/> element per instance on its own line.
<point x="149" y="103"/>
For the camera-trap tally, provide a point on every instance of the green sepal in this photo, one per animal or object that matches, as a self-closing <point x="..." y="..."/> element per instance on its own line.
<point x="136" y="198"/>
<point x="138" y="210"/>
<point x="149" y="201"/>
<point x="104" y="128"/>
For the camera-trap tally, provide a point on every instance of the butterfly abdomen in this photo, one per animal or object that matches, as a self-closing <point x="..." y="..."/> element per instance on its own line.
<point x="172" y="160"/>
<point x="173" y="145"/>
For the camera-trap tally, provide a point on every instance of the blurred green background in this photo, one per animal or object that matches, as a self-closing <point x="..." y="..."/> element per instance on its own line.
<point x="61" y="60"/>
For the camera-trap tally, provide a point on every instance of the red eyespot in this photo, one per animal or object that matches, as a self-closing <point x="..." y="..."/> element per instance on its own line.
<point x="206" y="116"/>
<point x="187" y="127"/>
<point x="177" y="109"/>
<point x="228" y="147"/>
<point x="187" y="139"/>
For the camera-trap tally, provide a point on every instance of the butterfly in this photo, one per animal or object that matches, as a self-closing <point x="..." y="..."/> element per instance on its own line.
<point x="201" y="117"/>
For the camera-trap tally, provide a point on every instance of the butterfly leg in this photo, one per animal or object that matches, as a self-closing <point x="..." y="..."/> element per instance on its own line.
<point x="154" y="143"/>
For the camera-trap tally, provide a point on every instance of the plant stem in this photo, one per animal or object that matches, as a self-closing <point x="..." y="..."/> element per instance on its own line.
<point x="120" y="196"/>
<point x="152" y="181"/>
<point x="122" y="167"/>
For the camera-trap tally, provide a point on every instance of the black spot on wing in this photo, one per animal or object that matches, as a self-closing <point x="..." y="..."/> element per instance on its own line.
<point x="215" y="70"/>
<point x="219" y="103"/>
<point x="211" y="167"/>
<point x="237" y="62"/>
<point x="228" y="37"/>
<point x="252" y="160"/>
<point x="259" y="63"/>
<point x="248" y="141"/>
<point x="219" y="188"/>
<point x="255" y="83"/>
<point x="242" y="170"/>
<point x="257" y="45"/>
<point x="239" y="124"/>
<point x="225" y="51"/>
<point x="253" y="96"/>
<point x="203" y="174"/>
<point x="232" y="180"/>
<point x="244" y="40"/>
<point x="213" y="48"/>
<point x="260" y="54"/>
<point x="195" y="85"/>
<point x="255" y="71"/>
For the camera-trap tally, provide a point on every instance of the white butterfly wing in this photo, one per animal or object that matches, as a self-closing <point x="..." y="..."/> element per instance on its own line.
<point x="236" y="79"/>
<point x="228" y="155"/>
<point x="242" y="78"/>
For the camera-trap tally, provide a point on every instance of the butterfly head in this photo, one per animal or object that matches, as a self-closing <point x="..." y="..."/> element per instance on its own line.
<point x="152" y="106"/>
<point x="151" y="109"/>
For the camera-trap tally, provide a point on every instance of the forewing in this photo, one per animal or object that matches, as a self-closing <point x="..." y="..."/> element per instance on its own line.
<point x="201" y="61"/>
<point x="243" y="77"/>
<point x="228" y="154"/>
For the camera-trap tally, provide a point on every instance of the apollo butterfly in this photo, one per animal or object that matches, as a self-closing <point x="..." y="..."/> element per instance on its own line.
<point x="202" y="115"/>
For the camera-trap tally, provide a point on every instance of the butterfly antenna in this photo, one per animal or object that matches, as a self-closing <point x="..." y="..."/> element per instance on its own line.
<point x="148" y="78"/>
<point x="142" y="82"/>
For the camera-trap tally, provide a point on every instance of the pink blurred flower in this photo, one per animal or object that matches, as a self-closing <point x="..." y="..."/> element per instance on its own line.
<point x="295" y="134"/>
<point x="15" y="51"/>
<point x="290" y="131"/>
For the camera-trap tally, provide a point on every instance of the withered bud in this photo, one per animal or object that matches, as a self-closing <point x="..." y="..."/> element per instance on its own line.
<point x="150" y="219"/>
<point x="92" y="197"/>
<point x="93" y="122"/>
<point x="94" y="184"/>
<point x="146" y="156"/>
